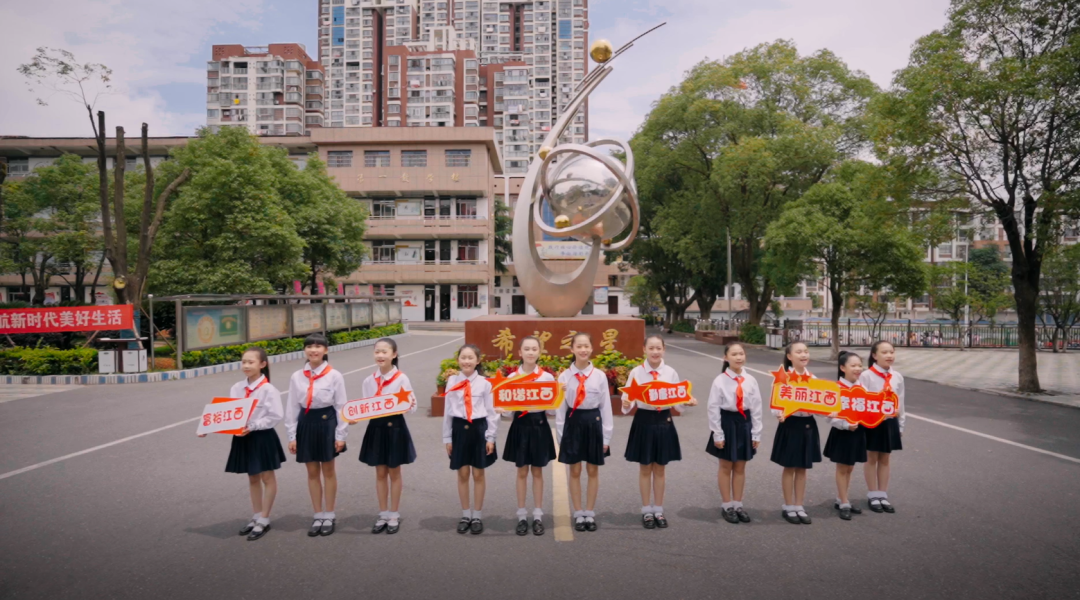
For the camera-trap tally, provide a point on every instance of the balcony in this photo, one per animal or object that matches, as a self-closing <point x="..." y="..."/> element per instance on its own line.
<point x="478" y="273"/>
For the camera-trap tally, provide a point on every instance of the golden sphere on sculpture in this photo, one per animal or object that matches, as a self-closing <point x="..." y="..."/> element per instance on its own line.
<point x="544" y="151"/>
<point x="562" y="221"/>
<point x="601" y="51"/>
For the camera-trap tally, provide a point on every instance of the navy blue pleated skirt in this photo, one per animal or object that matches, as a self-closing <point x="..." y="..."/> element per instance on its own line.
<point x="653" y="438"/>
<point x="846" y="447"/>
<point x="468" y="446"/>
<point x="797" y="444"/>
<point x="387" y="442"/>
<point x="583" y="438"/>
<point x="255" y="453"/>
<point x="530" y="442"/>
<point x="738" y="444"/>
<point x="885" y="437"/>
<point x="315" y="433"/>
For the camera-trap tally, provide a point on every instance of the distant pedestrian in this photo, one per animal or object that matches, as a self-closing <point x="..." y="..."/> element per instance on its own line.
<point x="256" y="449"/>
<point x="735" y="421"/>
<point x="530" y="444"/>
<point x="653" y="441"/>
<point x="469" y="429"/>
<point x="387" y="442"/>
<point x="316" y="435"/>
<point x="797" y="445"/>
<point x="847" y="442"/>
<point x="584" y="424"/>
<point x="883" y="440"/>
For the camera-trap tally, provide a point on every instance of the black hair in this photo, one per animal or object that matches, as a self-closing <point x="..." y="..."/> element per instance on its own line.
<point x="262" y="358"/>
<point x="841" y="360"/>
<point x="728" y="349"/>
<point x="476" y="351"/>
<point x="573" y="340"/>
<point x="318" y="339"/>
<point x="787" y="351"/>
<point x="873" y="351"/>
<point x="656" y="336"/>
<point x="393" y="346"/>
<point x="525" y="339"/>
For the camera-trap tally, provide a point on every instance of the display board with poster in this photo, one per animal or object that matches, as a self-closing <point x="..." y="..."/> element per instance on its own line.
<point x="209" y="326"/>
<point x="337" y="316"/>
<point x="268" y="322"/>
<point x="361" y="313"/>
<point x="380" y="312"/>
<point x="307" y="318"/>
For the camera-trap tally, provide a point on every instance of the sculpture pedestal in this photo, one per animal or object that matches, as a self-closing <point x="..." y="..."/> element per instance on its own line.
<point x="500" y="335"/>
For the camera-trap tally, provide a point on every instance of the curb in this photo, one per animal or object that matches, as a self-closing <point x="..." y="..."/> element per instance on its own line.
<point x="166" y="375"/>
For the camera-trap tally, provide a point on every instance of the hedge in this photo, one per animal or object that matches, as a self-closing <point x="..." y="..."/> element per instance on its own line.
<point x="752" y="334"/>
<point x="48" y="361"/>
<point x="683" y="326"/>
<point x="227" y="354"/>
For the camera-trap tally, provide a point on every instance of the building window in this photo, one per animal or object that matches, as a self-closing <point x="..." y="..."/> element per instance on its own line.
<point x="458" y="158"/>
<point x="468" y="296"/>
<point x="414" y="158"/>
<point x="18" y="166"/>
<point x="339" y="158"/>
<point x="212" y="113"/>
<point x="468" y="251"/>
<point x="376" y="158"/>
<point x="496" y="301"/>
<point x="383" y="209"/>
<point x="498" y="281"/>
<point x="382" y="251"/>
<point x="466" y="208"/>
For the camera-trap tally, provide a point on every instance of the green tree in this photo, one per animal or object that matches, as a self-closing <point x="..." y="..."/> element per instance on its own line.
<point x="229" y="230"/>
<point x="837" y="230"/>
<point x="643" y="295"/>
<point x="504" y="248"/>
<point x="976" y="290"/>
<point x="330" y="223"/>
<point x="990" y="103"/>
<point x="1061" y="292"/>
<point x="738" y="139"/>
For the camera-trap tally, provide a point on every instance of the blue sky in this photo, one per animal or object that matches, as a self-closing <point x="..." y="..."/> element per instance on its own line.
<point x="158" y="50"/>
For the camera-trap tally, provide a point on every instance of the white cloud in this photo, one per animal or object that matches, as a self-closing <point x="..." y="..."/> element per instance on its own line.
<point x="145" y="44"/>
<point x="871" y="36"/>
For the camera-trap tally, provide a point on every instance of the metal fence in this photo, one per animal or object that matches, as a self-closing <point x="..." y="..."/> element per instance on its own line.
<point x="914" y="334"/>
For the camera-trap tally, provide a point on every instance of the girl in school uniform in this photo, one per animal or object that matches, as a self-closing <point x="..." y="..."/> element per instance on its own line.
<point x="847" y="443"/>
<point x="316" y="435"/>
<point x="256" y="450"/>
<point x="735" y="421"/>
<point x="529" y="444"/>
<point x="653" y="442"/>
<point x="797" y="445"/>
<point x="584" y="424"/>
<point x="883" y="440"/>
<point x="469" y="428"/>
<point x="387" y="443"/>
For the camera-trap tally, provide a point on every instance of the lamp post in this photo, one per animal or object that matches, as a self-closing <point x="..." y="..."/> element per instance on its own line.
<point x="151" y="297"/>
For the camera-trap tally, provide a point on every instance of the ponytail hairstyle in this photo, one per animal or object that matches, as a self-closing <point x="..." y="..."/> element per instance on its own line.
<point x="656" y="336"/>
<point x="393" y="346"/>
<point x="873" y="351"/>
<point x="318" y="339"/>
<point x="841" y="360"/>
<point x="573" y="340"/>
<point x="262" y="358"/>
<point x="787" y="354"/>
<point x="728" y="349"/>
<point x="476" y="350"/>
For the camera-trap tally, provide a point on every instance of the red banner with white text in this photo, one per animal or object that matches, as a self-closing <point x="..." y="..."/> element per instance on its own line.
<point x="66" y="318"/>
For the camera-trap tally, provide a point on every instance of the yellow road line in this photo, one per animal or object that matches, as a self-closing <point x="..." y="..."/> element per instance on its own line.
<point x="560" y="498"/>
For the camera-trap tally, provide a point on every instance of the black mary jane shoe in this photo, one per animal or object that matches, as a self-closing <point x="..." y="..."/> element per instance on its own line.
<point x="661" y="522"/>
<point x="538" y="527"/>
<point x="791" y="517"/>
<point x="845" y="513"/>
<point x="648" y="521"/>
<point x="257" y="533"/>
<point x="887" y="507"/>
<point x="316" y="526"/>
<point x="327" y="527"/>
<point x="247" y="528"/>
<point x="590" y="525"/>
<point x="730" y="516"/>
<point x="804" y="520"/>
<point x="579" y="525"/>
<point x="379" y="526"/>
<point x="476" y="527"/>
<point x="463" y="525"/>
<point x="875" y="505"/>
<point x="854" y="509"/>
<point x="522" y="527"/>
<point x="744" y="517"/>
<point x="392" y="529"/>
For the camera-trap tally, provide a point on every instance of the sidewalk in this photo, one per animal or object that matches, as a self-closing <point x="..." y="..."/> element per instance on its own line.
<point x="993" y="371"/>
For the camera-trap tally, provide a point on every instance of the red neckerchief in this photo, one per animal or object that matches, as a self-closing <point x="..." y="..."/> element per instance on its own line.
<point x="382" y="384"/>
<point x="249" y="391"/>
<point x="579" y="396"/>
<point x="526" y="379"/>
<point x="311" y="384"/>
<point x="738" y="393"/>
<point x="466" y="396"/>
<point x="886" y="376"/>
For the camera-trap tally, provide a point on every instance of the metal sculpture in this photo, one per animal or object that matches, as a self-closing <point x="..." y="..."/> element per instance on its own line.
<point x="592" y="195"/>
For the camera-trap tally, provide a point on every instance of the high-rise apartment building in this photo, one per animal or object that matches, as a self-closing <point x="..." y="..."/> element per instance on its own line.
<point x="271" y="90"/>
<point x="529" y="57"/>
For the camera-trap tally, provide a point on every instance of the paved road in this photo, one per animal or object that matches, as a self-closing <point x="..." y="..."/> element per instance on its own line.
<point x="155" y="516"/>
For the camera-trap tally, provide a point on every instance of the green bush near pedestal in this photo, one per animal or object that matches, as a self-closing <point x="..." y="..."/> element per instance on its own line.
<point x="752" y="334"/>
<point x="48" y="361"/>
<point x="227" y="354"/>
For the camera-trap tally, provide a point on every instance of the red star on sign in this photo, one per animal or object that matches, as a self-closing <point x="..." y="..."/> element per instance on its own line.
<point x="635" y="391"/>
<point x="802" y="378"/>
<point x="498" y="379"/>
<point x="780" y="375"/>
<point x="403" y="396"/>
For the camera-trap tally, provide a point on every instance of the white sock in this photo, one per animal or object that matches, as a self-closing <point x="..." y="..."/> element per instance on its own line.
<point x="538" y="514"/>
<point x="590" y="515"/>
<point x="329" y="515"/>
<point x="647" y="510"/>
<point x="788" y="508"/>
<point x="883" y="495"/>
<point x="384" y="515"/>
<point x="320" y="516"/>
<point x="845" y="505"/>
<point x="393" y="517"/>
<point x="736" y="504"/>
<point x="466" y="514"/>
<point x="263" y="521"/>
<point x="521" y="514"/>
<point x="799" y="510"/>
<point x="476" y="514"/>
<point x="727" y="505"/>
<point x="256" y="516"/>
<point x="658" y="510"/>
<point x="579" y="515"/>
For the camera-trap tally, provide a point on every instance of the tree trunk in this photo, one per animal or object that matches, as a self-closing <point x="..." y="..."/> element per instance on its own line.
<point x="705" y="305"/>
<point x="97" y="275"/>
<point x="1027" y="308"/>
<point x="834" y="322"/>
<point x="1054" y="338"/>
<point x="103" y="185"/>
<point x="119" y="251"/>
